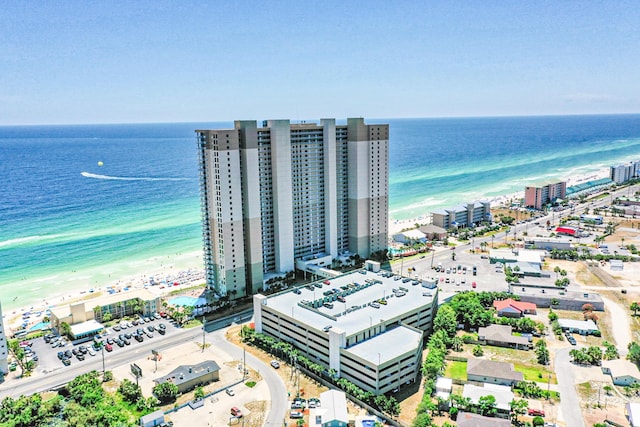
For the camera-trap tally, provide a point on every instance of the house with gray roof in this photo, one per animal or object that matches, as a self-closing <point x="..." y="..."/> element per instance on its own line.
<point x="489" y="371"/>
<point x="188" y="377"/>
<point x="467" y="419"/>
<point x="501" y="336"/>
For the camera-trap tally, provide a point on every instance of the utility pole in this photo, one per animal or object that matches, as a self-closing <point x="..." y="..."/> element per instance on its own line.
<point x="204" y="323"/>
<point x="103" y="370"/>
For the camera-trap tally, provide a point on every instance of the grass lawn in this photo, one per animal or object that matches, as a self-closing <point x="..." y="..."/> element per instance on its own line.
<point x="535" y="373"/>
<point x="456" y="370"/>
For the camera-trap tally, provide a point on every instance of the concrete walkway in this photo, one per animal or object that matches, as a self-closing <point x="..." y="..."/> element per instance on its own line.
<point x="621" y="323"/>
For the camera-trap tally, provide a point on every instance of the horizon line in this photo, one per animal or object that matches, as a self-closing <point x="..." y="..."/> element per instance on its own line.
<point x="304" y="120"/>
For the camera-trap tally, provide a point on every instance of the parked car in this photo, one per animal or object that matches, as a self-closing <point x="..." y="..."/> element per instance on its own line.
<point x="275" y="364"/>
<point x="108" y="347"/>
<point x="230" y="392"/>
<point x="295" y="414"/>
<point x="536" y="412"/>
<point x="236" y="412"/>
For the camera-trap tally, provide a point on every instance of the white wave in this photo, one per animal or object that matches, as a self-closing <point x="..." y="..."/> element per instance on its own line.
<point x="132" y="178"/>
<point x="29" y="239"/>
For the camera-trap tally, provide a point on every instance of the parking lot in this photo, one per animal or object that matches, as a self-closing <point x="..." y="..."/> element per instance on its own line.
<point x="48" y="359"/>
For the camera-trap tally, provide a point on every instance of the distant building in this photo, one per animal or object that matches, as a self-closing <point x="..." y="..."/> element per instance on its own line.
<point x="538" y="196"/>
<point x="512" y="308"/>
<point x="462" y="215"/>
<point x="558" y="298"/>
<point x="94" y="311"/>
<point x="501" y="336"/>
<point x="332" y="412"/>
<point x="591" y="219"/>
<point x="280" y="196"/>
<point x="616" y="265"/>
<point x="188" y="377"/>
<point x="560" y="243"/>
<point x="622" y="371"/>
<point x="489" y="371"/>
<point x="567" y="230"/>
<point x="4" y="348"/>
<point x="624" y="172"/>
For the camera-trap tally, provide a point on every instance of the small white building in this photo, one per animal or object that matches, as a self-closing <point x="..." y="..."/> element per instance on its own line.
<point x="632" y="411"/>
<point x="502" y="393"/>
<point x="410" y="236"/>
<point x="583" y="327"/>
<point x="444" y="387"/>
<point x="332" y="413"/>
<point x="153" y="419"/>
<point x="616" y="265"/>
<point x="622" y="371"/>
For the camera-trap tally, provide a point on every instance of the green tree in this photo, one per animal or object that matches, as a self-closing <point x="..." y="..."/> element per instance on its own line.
<point x="166" y="392"/>
<point x="457" y="344"/>
<point x="130" y="391"/>
<point x="634" y="307"/>
<point x="634" y="352"/>
<point x="446" y="321"/>
<point x="487" y="405"/>
<point x="477" y="351"/>
<point x="199" y="393"/>
<point x="518" y="407"/>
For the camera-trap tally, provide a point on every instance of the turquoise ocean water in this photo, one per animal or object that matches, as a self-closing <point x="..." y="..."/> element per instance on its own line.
<point x="67" y="223"/>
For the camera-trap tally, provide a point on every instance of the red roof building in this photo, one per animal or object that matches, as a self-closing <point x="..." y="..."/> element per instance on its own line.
<point x="512" y="308"/>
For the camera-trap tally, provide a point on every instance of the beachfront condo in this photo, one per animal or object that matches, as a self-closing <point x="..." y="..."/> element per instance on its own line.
<point x="284" y="197"/>
<point x="540" y="195"/>
<point x="624" y="172"/>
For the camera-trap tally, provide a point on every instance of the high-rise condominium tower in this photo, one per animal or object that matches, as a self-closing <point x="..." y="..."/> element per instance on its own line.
<point x="290" y="196"/>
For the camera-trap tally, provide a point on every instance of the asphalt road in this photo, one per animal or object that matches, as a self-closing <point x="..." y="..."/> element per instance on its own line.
<point x="569" y="401"/>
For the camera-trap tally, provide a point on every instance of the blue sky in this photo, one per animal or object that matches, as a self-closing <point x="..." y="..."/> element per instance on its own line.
<point x="185" y="61"/>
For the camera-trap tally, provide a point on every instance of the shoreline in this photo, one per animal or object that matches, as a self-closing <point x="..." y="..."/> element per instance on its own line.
<point x="397" y="225"/>
<point x="178" y="267"/>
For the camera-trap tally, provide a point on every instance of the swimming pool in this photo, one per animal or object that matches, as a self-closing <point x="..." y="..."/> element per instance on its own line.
<point x="187" y="301"/>
<point x="40" y="325"/>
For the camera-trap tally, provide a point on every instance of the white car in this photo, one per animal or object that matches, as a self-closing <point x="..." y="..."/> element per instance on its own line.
<point x="230" y="392"/>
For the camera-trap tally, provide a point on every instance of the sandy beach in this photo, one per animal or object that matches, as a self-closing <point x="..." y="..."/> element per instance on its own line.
<point x="184" y="269"/>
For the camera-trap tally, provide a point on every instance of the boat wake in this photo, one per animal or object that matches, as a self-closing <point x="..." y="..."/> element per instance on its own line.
<point x="130" y="178"/>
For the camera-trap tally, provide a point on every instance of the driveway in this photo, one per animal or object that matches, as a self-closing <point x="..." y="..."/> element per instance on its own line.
<point x="569" y="402"/>
<point x="622" y="326"/>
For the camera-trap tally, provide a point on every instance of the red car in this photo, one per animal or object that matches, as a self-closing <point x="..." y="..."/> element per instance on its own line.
<point x="536" y="412"/>
<point x="108" y="347"/>
<point x="236" y="412"/>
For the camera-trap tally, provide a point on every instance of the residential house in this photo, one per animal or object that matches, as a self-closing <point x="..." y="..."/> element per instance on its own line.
<point x="332" y="413"/>
<point x="500" y="335"/>
<point x="467" y="419"/>
<point x="502" y="394"/>
<point x="153" y="419"/>
<point x="512" y="308"/>
<point x="489" y="371"/>
<point x="622" y="371"/>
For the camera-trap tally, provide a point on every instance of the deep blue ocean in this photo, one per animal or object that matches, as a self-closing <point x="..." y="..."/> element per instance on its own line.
<point x="68" y="223"/>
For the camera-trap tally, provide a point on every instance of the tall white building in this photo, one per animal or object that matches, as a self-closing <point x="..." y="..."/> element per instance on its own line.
<point x="4" y="347"/>
<point x="284" y="196"/>
<point x="624" y="172"/>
